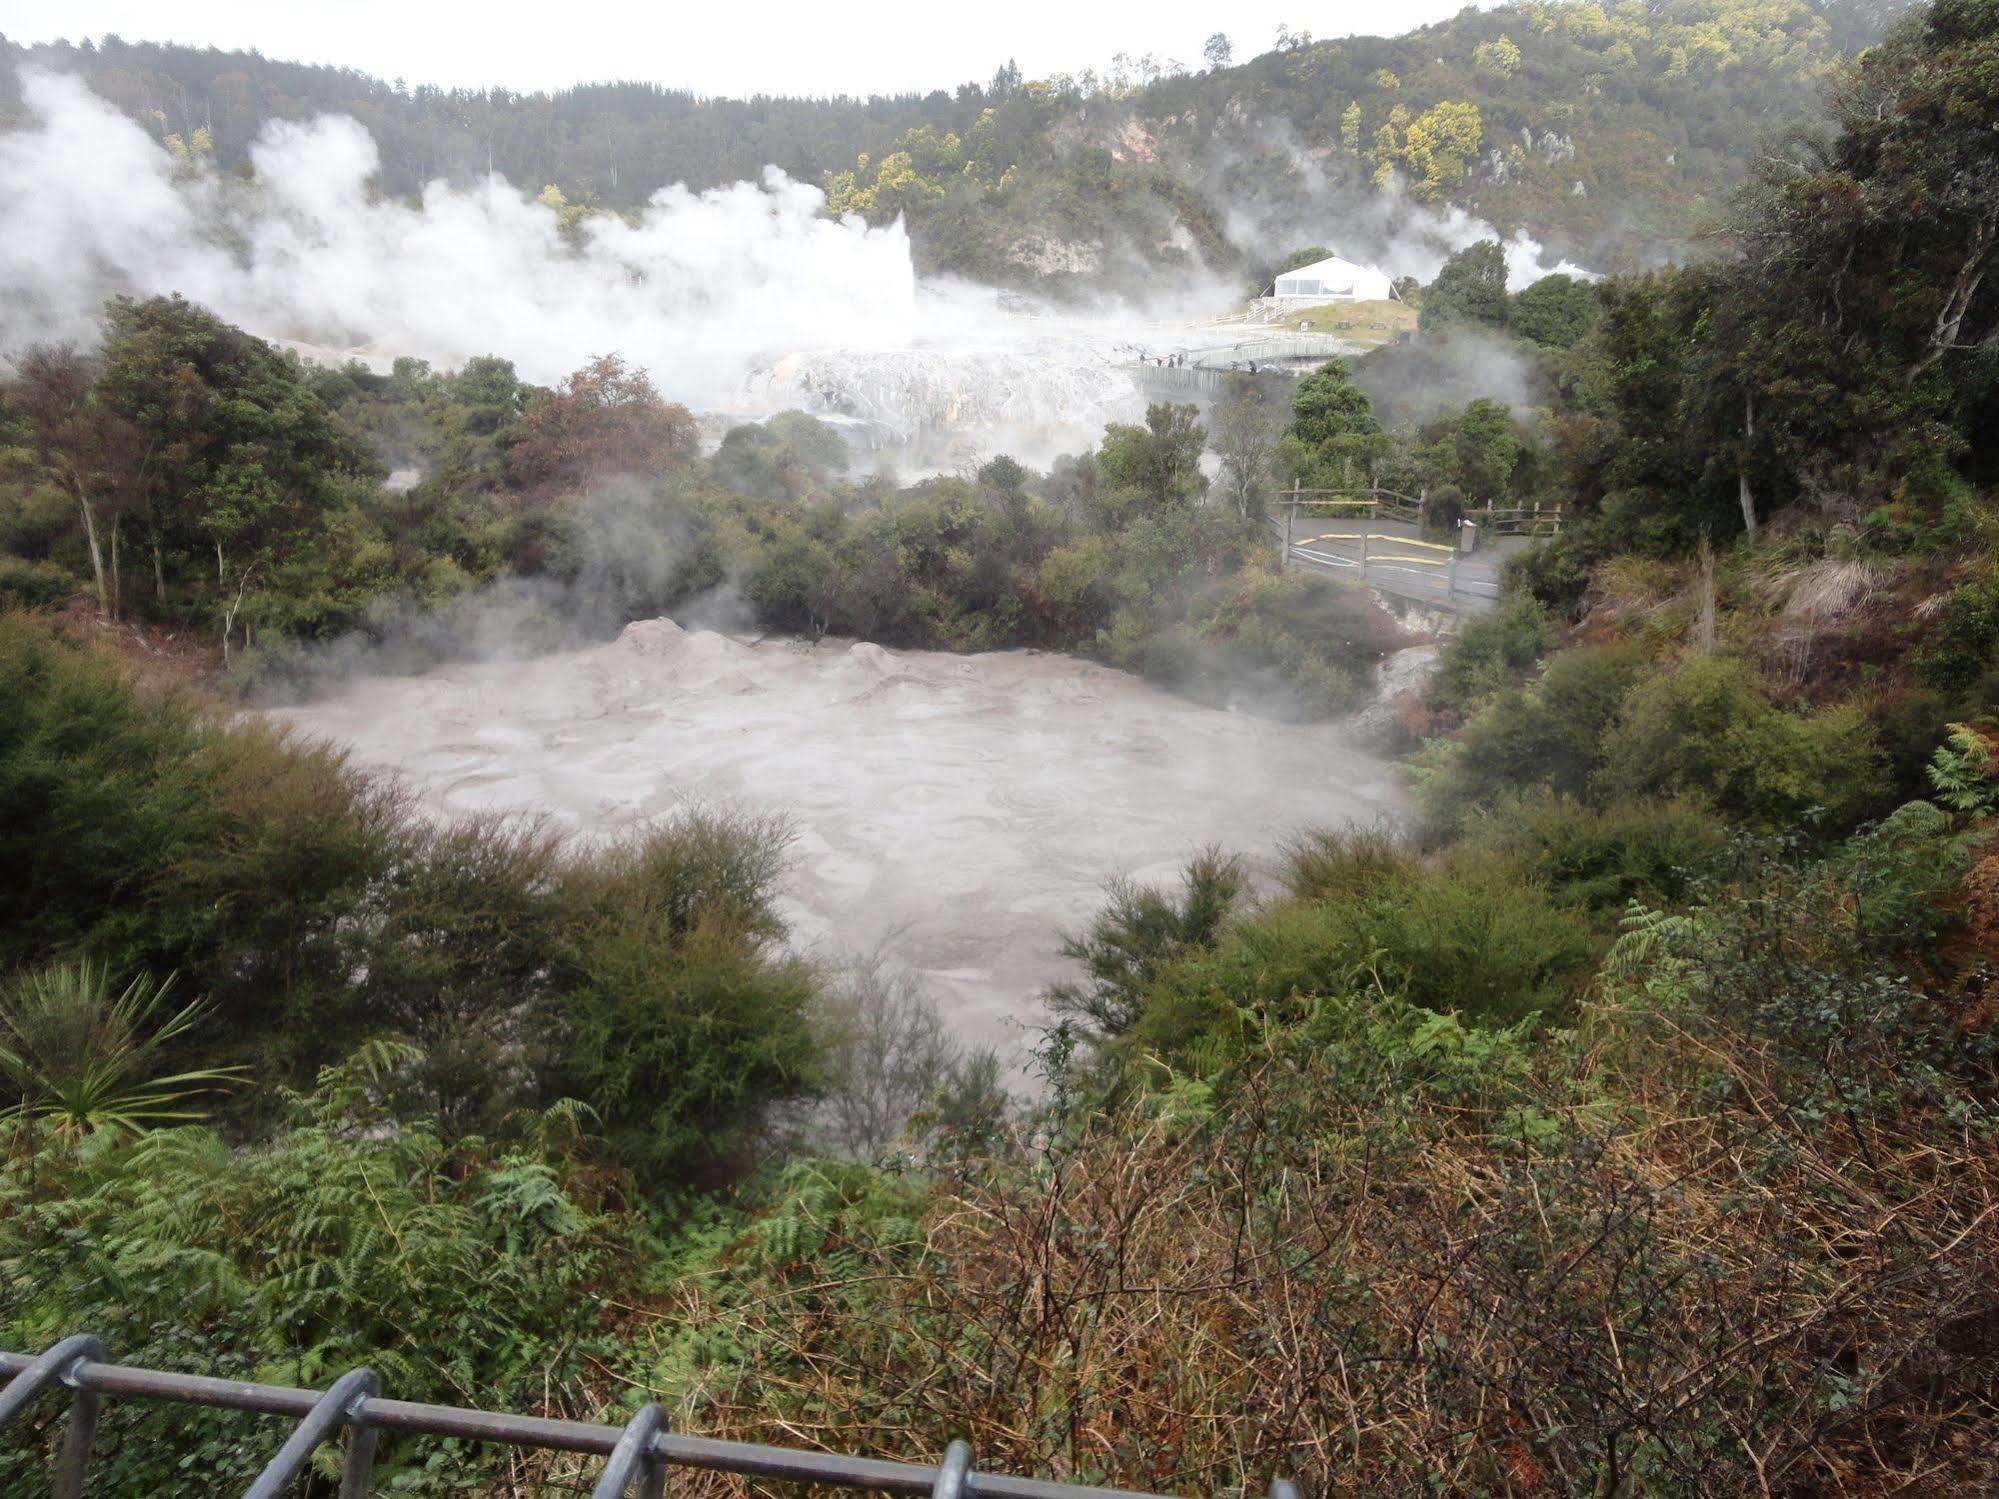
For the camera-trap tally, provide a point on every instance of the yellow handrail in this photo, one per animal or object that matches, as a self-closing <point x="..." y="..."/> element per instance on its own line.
<point x="1399" y="541"/>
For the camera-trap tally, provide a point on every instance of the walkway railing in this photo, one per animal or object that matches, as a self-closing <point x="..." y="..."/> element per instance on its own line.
<point x="1519" y="520"/>
<point x="637" y="1455"/>
<point x="1357" y="502"/>
<point x="1501" y="520"/>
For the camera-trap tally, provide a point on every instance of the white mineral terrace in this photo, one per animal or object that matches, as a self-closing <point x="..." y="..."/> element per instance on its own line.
<point x="961" y="811"/>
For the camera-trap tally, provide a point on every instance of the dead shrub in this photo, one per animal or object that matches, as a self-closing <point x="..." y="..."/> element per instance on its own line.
<point x="1531" y="1291"/>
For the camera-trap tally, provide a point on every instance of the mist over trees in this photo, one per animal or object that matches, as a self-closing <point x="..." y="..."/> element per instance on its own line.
<point x="1606" y="133"/>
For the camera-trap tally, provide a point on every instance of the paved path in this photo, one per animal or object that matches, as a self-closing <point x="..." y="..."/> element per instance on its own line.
<point x="1401" y="561"/>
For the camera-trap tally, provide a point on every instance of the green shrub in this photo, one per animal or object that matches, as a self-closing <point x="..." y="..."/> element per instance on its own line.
<point x="1171" y="656"/>
<point x="789" y="584"/>
<point x="673" y="1016"/>
<point x="315" y="911"/>
<point x="1491" y="651"/>
<point x="1555" y="573"/>
<point x="1140" y="930"/>
<point x="1209" y="1007"/>
<point x="782" y="455"/>
<point x="1343" y="865"/>
<point x="1480" y="936"/>
<point x="1706" y="729"/>
<point x="1647" y="849"/>
<point x="101" y="794"/>
<point x="466" y="920"/>
<point x="1966" y="640"/>
<point x="1309" y="636"/>
<point x="1475" y="934"/>
<point x="1547" y="735"/>
<point x="1663" y="520"/>
<point x="34" y="585"/>
<point x="137" y="830"/>
<point x="1445" y="509"/>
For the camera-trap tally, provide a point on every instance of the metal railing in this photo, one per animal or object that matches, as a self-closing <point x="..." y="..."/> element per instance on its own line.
<point x="637" y="1455"/>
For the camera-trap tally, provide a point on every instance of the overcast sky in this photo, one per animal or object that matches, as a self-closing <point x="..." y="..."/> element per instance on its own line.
<point x="882" y="46"/>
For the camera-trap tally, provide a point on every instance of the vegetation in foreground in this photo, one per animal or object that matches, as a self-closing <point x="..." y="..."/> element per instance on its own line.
<point x="1629" y="1129"/>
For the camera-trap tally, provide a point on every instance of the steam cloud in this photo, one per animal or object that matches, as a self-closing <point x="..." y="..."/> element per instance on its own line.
<point x="700" y="288"/>
<point x="1388" y="229"/>
<point x="745" y="297"/>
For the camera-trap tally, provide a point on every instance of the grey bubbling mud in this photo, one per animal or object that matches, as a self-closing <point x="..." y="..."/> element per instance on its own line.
<point x="960" y="811"/>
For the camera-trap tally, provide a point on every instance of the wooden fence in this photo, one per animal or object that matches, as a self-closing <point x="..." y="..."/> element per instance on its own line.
<point x="1389" y="504"/>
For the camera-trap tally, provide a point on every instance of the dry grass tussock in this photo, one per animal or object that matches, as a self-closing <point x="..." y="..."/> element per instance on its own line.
<point x="1636" y="591"/>
<point x="1694" y="1289"/>
<point x="1810" y="601"/>
<point x="1804" y="596"/>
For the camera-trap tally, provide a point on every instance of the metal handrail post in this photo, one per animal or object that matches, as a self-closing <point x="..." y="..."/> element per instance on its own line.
<point x="363" y="1441"/>
<point x="954" y="1474"/>
<point x="73" y="1462"/>
<point x="334" y="1409"/>
<point x="47" y="1368"/>
<point x="634" y="1457"/>
<point x="57" y="1366"/>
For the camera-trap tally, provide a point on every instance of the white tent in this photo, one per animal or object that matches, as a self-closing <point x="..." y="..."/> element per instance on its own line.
<point x="1333" y="280"/>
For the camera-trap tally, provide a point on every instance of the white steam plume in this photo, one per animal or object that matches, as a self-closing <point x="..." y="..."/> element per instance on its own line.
<point x="696" y="290"/>
<point x="1325" y="201"/>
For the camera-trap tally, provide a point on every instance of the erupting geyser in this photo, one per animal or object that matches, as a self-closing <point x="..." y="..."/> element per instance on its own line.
<point x="960" y="810"/>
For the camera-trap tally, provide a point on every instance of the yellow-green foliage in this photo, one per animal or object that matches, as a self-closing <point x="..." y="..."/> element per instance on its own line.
<point x="919" y="169"/>
<point x="1715" y="34"/>
<point x="569" y="216"/>
<point x="1431" y="150"/>
<point x="1497" y="59"/>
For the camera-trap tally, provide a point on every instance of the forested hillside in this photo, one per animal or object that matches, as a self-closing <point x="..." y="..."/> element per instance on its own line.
<point x="1607" y="132"/>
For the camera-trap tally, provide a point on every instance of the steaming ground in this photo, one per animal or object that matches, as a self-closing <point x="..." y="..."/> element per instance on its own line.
<point x="961" y="810"/>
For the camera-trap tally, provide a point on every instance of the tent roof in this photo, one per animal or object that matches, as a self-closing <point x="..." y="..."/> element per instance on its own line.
<point x="1323" y="268"/>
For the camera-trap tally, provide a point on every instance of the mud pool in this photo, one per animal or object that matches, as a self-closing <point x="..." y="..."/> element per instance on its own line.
<point x="960" y="811"/>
